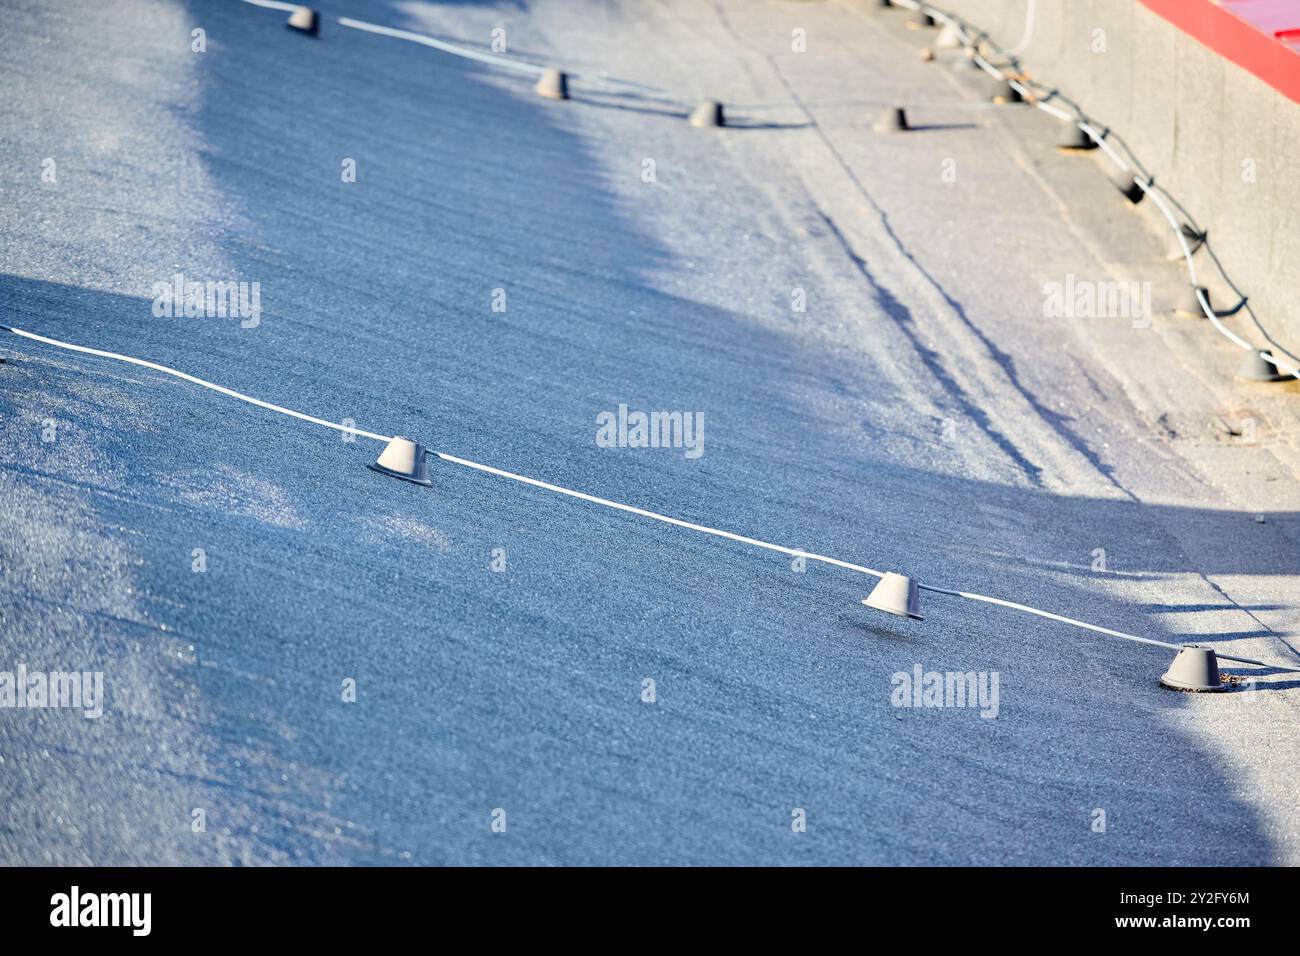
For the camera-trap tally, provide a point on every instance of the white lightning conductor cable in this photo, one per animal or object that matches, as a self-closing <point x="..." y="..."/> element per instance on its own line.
<point x="116" y="356"/>
<point x="441" y="45"/>
<point x="195" y="380"/>
<point x="455" y="49"/>
<point x="793" y="552"/>
<point x="607" y="503"/>
<point x="970" y="596"/>
<point x="507" y="63"/>
<point x="1100" y="139"/>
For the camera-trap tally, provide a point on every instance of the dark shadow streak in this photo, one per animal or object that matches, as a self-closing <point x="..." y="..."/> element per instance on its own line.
<point x="1272" y="685"/>
<point x="588" y="100"/>
<point x="1172" y="608"/>
<point x="881" y="632"/>
<point x="744" y="124"/>
<point x="935" y="127"/>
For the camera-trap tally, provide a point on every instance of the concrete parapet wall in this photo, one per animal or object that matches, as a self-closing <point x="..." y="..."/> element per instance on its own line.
<point x="1222" y="141"/>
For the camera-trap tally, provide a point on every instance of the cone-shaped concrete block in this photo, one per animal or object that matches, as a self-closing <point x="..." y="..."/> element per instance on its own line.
<point x="1189" y="307"/>
<point x="927" y="55"/>
<point x="404" y="459"/>
<point x="948" y="38"/>
<point x="896" y="594"/>
<point x="305" y="20"/>
<point x="1074" y="138"/>
<point x="892" y="120"/>
<point x="1126" y="183"/>
<point x="1002" y="92"/>
<point x="708" y="115"/>
<point x="1194" y="669"/>
<point x="553" y="84"/>
<point x="1255" y="368"/>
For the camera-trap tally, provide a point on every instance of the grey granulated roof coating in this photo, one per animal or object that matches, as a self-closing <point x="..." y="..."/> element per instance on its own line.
<point x="920" y="415"/>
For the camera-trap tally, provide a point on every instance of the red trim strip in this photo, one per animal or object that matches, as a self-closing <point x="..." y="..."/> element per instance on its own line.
<point x="1233" y="38"/>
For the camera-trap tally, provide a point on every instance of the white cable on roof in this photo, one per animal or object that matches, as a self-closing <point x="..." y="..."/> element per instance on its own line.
<point x="1100" y="140"/>
<point x="414" y="38"/>
<point x="1092" y="627"/>
<point x="793" y="552"/>
<point x="197" y="381"/>
<point x="605" y="502"/>
<point x="492" y="59"/>
<point x="1028" y="33"/>
<point x="455" y="49"/>
<point x="1062" y="115"/>
<point x="274" y="5"/>
<point x="441" y="45"/>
